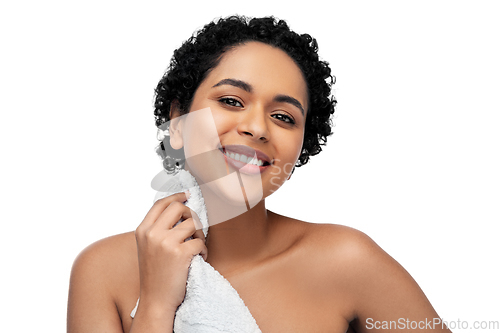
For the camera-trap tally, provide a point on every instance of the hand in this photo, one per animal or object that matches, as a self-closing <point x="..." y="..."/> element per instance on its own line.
<point x="164" y="256"/>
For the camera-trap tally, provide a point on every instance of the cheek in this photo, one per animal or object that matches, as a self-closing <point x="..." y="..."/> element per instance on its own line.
<point x="299" y="144"/>
<point x="294" y="148"/>
<point x="199" y="133"/>
<point x="201" y="142"/>
<point x="289" y="154"/>
<point x="222" y="122"/>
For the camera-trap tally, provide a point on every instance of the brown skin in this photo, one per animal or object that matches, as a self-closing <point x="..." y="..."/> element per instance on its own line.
<point x="294" y="276"/>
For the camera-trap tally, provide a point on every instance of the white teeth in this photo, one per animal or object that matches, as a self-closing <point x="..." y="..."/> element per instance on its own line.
<point x="244" y="159"/>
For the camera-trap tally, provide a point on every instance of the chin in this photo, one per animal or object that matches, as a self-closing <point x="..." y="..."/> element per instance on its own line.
<point x="236" y="190"/>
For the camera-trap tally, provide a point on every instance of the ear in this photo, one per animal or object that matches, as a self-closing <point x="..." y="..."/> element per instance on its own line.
<point x="175" y="127"/>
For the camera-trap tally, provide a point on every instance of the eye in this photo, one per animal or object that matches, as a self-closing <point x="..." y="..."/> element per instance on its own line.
<point x="284" y="118"/>
<point x="230" y="101"/>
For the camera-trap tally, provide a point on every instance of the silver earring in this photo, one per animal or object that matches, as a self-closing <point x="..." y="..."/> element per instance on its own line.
<point x="162" y="133"/>
<point x="173" y="160"/>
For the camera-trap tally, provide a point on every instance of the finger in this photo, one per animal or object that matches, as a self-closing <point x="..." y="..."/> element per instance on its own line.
<point x="186" y="229"/>
<point x="199" y="234"/>
<point x="159" y="206"/>
<point x="196" y="246"/>
<point x="171" y="215"/>
<point x="197" y="221"/>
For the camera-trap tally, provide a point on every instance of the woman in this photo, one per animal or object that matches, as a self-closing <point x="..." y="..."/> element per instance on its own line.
<point x="267" y="97"/>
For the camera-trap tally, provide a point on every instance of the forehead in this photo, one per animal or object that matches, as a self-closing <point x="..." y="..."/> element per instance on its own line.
<point x="266" y="68"/>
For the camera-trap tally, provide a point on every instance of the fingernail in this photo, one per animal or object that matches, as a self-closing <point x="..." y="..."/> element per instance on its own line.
<point x="187" y="194"/>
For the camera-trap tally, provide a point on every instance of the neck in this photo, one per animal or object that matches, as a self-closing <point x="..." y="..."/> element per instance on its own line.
<point x="237" y="236"/>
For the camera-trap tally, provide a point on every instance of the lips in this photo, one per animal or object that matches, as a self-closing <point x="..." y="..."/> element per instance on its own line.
<point x="246" y="159"/>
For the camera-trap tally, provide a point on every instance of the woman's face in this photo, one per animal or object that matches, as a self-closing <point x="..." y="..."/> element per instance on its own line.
<point x="253" y="104"/>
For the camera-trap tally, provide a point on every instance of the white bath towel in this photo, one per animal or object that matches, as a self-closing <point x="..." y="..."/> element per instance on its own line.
<point x="211" y="304"/>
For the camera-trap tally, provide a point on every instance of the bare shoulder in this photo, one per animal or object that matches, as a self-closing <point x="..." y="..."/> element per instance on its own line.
<point x="347" y="258"/>
<point x="331" y="253"/>
<point x="339" y="253"/>
<point x="343" y="244"/>
<point x="110" y="265"/>
<point x="111" y="253"/>
<point x="356" y="272"/>
<point x="111" y="245"/>
<point x="102" y="275"/>
<point x="331" y="241"/>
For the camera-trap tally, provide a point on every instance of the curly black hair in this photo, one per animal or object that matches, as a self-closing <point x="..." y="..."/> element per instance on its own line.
<point x="202" y="52"/>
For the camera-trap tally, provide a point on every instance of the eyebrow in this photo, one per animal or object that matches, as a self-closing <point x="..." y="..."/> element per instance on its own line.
<point x="236" y="83"/>
<point x="248" y="88"/>
<point x="289" y="100"/>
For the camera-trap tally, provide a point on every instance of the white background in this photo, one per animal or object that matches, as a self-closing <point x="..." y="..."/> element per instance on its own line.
<point x="414" y="161"/>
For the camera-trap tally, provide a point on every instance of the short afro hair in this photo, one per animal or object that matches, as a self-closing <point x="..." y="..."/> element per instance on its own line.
<point x="193" y="61"/>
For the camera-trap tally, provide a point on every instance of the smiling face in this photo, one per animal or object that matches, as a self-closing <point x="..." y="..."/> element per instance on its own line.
<point x="252" y="119"/>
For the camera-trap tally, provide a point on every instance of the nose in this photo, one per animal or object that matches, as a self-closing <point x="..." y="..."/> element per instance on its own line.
<point x="254" y="124"/>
